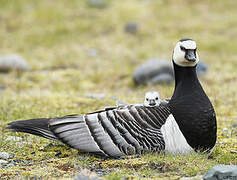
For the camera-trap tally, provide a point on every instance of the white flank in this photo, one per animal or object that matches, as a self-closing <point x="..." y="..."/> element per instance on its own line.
<point x="175" y="141"/>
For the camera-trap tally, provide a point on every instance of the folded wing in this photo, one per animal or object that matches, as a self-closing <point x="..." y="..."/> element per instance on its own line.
<point x="114" y="132"/>
<point x="111" y="132"/>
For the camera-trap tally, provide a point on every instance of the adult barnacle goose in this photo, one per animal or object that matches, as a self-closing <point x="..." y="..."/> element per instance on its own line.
<point x="184" y="124"/>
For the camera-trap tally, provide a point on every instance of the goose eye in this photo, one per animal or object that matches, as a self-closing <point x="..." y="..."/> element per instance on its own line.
<point x="147" y="99"/>
<point x="182" y="48"/>
<point x="156" y="98"/>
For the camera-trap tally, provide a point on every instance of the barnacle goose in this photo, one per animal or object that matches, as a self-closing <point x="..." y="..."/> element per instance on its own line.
<point x="186" y="123"/>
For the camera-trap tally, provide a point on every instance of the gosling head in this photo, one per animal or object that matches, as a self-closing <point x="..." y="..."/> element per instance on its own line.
<point x="152" y="99"/>
<point x="185" y="53"/>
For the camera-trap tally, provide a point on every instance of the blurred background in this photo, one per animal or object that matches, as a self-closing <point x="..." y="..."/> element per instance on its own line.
<point x="77" y="52"/>
<point x="61" y="57"/>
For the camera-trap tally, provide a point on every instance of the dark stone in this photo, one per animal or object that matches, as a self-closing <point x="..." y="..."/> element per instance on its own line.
<point x="58" y="153"/>
<point x="13" y="62"/>
<point x="159" y="71"/>
<point x="2" y="87"/>
<point x="84" y="177"/>
<point x="234" y="125"/>
<point x="96" y="96"/>
<point x="201" y="68"/>
<point x="222" y="172"/>
<point x="100" y="4"/>
<point x="131" y="27"/>
<point x="153" y="71"/>
<point x="233" y="151"/>
<point x="81" y="177"/>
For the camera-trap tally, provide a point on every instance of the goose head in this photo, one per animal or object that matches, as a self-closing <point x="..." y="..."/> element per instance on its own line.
<point x="185" y="53"/>
<point x="152" y="98"/>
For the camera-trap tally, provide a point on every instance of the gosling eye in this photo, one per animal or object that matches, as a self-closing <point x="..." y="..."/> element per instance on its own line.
<point x="157" y="98"/>
<point x="182" y="48"/>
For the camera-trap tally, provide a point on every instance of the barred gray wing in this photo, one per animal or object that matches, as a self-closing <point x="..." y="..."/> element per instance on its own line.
<point x="114" y="132"/>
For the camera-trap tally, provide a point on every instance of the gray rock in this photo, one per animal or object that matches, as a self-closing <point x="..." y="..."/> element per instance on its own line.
<point x="198" y="177"/>
<point x="13" y="138"/>
<point x="201" y="68"/>
<point x="159" y="71"/>
<point x="4" y="155"/>
<point x="233" y="151"/>
<point x="2" y="87"/>
<point x="220" y="171"/>
<point x="162" y="79"/>
<point x="131" y="27"/>
<point x="234" y="125"/>
<point x="151" y="70"/>
<point x="100" y="4"/>
<point x="81" y="177"/>
<point x="93" y="52"/>
<point x="13" y="62"/>
<point x="81" y="158"/>
<point x="84" y="177"/>
<point x="96" y="96"/>
<point x="3" y="162"/>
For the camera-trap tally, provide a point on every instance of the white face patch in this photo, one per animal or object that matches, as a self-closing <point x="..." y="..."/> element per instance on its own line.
<point x="152" y="99"/>
<point x="179" y="55"/>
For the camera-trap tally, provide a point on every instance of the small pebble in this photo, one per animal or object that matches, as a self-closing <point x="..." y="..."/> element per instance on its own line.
<point x="96" y="96"/>
<point x="4" y="155"/>
<point x="198" y="177"/>
<point x="93" y="52"/>
<point x="95" y="178"/>
<point x="234" y="125"/>
<point x="13" y="62"/>
<point x="13" y="138"/>
<point x="85" y="177"/>
<point x="2" y="87"/>
<point x="80" y="158"/>
<point x="58" y="153"/>
<point x="3" y="161"/>
<point x="224" y="135"/>
<point x="131" y="27"/>
<point x="100" y="4"/>
<point x="114" y="98"/>
<point x="233" y="151"/>
<point x="81" y="177"/>
<point x="125" y="178"/>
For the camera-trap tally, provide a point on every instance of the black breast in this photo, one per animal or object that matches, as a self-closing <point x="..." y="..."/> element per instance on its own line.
<point x="193" y="110"/>
<point x="196" y="119"/>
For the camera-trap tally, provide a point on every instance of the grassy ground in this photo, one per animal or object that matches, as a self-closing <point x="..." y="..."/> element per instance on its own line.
<point x="56" y="38"/>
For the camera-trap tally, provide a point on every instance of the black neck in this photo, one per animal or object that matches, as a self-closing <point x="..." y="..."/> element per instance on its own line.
<point x="186" y="81"/>
<point x="192" y="109"/>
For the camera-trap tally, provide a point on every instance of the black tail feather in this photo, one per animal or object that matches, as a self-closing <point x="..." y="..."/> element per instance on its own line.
<point x="37" y="127"/>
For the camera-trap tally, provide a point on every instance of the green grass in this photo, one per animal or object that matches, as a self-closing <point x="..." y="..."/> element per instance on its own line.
<point x="55" y="38"/>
